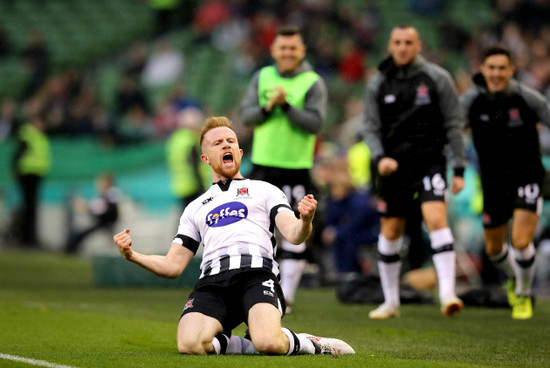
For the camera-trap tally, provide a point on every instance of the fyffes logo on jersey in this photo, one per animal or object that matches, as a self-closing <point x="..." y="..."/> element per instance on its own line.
<point x="226" y="214"/>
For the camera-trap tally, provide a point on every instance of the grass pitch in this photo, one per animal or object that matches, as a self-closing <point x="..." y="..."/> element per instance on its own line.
<point x="50" y="311"/>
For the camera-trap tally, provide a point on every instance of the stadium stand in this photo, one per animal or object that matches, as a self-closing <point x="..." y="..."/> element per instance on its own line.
<point x="77" y="33"/>
<point x="95" y="35"/>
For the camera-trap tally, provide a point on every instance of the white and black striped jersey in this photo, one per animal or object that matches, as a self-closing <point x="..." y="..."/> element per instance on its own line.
<point x="235" y="222"/>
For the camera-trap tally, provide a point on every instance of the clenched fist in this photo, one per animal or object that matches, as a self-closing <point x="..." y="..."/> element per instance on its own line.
<point x="123" y="241"/>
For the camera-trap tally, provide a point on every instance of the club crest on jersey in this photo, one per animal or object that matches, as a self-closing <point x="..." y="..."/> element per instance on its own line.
<point x="188" y="305"/>
<point x="226" y="214"/>
<point x="242" y="192"/>
<point x="514" y="118"/>
<point x="382" y="206"/>
<point x="422" y="95"/>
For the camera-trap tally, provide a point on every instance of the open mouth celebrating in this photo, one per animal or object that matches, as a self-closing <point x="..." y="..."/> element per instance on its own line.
<point x="227" y="158"/>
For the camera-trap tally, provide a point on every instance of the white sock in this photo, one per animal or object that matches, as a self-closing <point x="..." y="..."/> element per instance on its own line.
<point x="291" y="274"/>
<point x="298" y="344"/>
<point x="444" y="259"/>
<point x="504" y="261"/>
<point x="524" y="268"/>
<point x="389" y="268"/>
<point x="233" y="345"/>
<point x="217" y="345"/>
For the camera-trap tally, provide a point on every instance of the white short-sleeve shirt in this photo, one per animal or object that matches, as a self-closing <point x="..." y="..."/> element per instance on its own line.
<point x="235" y="222"/>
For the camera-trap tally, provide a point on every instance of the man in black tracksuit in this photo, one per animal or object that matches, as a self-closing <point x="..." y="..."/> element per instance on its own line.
<point x="503" y="117"/>
<point x="411" y="114"/>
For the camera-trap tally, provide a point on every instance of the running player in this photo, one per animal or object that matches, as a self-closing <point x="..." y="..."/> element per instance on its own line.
<point x="411" y="113"/>
<point x="503" y="116"/>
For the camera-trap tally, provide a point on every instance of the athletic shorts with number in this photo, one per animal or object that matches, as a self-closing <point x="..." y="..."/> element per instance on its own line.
<point x="502" y="197"/>
<point x="229" y="296"/>
<point x="295" y="183"/>
<point x="423" y="181"/>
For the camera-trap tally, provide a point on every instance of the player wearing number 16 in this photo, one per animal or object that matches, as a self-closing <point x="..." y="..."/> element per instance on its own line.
<point x="411" y="114"/>
<point x="235" y="221"/>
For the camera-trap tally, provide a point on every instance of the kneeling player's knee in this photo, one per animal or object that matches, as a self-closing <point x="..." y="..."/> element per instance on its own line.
<point x="268" y="346"/>
<point x="191" y="347"/>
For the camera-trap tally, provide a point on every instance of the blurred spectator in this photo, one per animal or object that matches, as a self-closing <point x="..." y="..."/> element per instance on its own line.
<point x="103" y="209"/>
<point x="8" y="119"/>
<point x="530" y="15"/>
<point x="135" y="60"/>
<point x="350" y="220"/>
<point x="5" y="46"/>
<point x="542" y="268"/>
<point x="326" y="58"/>
<point x="455" y="36"/>
<point x="31" y="163"/>
<point x="53" y="99"/>
<point x="36" y="60"/>
<point x="166" y="119"/>
<point x="183" y="156"/>
<point x="247" y="59"/>
<point x="264" y="27"/>
<point x="209" y="15"/>
<point x="352" y="65"/>
<point x="164" y="66"/>
<point x="74" y="82"/>
<point x="135" y="126"/>
<point x="79" y="119"/>
<point x="230" y="34"/>
<point x="166" y="15"/>
<point x="104" y="125"/>
<point x="427" y="7"/>
<point x="128" y="95"/>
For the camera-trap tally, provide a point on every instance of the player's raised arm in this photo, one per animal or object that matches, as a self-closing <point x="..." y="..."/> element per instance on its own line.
<point x="296" y="230"/>
<point x="168" y="266"/>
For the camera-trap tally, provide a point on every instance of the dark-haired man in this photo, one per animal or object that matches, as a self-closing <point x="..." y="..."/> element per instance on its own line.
<point x="411" y="113"/>
<point x="503" y="116"/>
<point x="286" y="104"/>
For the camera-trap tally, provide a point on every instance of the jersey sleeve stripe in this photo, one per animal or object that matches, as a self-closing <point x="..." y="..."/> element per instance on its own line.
<point x="274" y="211"/>
<point x="188" y="243"/>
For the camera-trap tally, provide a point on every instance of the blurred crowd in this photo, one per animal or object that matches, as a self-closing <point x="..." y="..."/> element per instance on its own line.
<point x="345" y="40"/>
<point x="341" y="37"/>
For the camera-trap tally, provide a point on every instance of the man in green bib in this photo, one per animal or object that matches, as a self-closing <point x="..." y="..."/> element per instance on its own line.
<point x="286" y="104"/>
<point x="31" y="163"/>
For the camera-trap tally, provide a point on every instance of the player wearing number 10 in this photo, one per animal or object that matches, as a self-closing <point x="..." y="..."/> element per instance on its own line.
<point x="503" y="116"/>
<point x="234" y="220"/>
<point x="411" y="113"/>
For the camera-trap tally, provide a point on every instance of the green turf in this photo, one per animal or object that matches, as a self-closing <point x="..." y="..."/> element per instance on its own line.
<point x="50" y="311"/>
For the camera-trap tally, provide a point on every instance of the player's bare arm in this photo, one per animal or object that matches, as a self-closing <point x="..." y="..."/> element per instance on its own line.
<point x="296" y="230"/>
<point x="169" y="266"/>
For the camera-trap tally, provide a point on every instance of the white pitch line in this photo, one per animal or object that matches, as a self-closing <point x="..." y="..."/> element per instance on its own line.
<point x="40" y="363"/>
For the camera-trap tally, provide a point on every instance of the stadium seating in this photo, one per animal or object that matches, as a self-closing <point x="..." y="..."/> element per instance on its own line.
<point x="78" y="32"/>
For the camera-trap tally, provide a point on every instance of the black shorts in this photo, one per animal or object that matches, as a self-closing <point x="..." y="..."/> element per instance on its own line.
<point x="229" y="296"/>
<point x="295" y="183"/>
<point x="411" y="184"/>
<point x="502" y="197"/>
